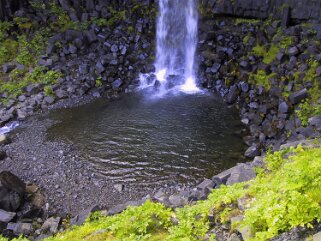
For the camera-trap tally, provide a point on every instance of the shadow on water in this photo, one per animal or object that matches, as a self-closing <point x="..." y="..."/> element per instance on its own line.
<point x="146" y="141"/>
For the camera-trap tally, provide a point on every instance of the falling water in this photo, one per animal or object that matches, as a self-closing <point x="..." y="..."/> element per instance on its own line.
<point x="176" y="46"/>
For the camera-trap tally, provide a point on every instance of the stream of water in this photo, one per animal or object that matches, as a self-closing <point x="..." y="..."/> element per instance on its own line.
<point x="176" y="40"/>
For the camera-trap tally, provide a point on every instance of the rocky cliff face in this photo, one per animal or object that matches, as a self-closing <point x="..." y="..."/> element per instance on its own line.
<point x="75" y="8"/>
<point x="295" y="9"/>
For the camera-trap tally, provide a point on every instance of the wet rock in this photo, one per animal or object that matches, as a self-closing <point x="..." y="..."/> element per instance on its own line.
<point x="51" y="225"/>
<point x="20" y="228"/>
<point x="80" y="218"/>
<point x="252" y="151"/>
<point x="296" y="97"/>
<point x="6" y="217"/>
<point x="241" y="173"/>
<point x="4" y="140"/>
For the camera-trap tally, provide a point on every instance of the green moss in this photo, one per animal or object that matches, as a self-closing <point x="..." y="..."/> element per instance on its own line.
<point x="8" y="50"/>
<point x="261" y="79"/>
<point x="247" y="21"/>
<point x="268" y="55"/>
<point x="311" y="106"/>
<point x="246" y="39"/>
<point x="20" y="80"/>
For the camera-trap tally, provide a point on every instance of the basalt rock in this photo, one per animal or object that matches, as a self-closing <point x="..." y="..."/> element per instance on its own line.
<point x="12" y="190"/>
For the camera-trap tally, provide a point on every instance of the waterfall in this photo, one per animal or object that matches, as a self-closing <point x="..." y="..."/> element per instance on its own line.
<point x="176" y="45"/>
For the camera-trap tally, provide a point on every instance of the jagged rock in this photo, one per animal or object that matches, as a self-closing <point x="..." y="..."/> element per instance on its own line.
<point x="7" y="67"/>
<point x="206" y="186"/>
<point x="4" y="140"/>
<point x="91" y="36"/>
<point x="83" y="69"/>
<point x="51" y="225"/>
<point x="215" y="68"/>
<point x="80" y="218"/>
<point x="117" y="83"/>
<point x="317" y="237"/>
<point x="177" y="200"/>
<point x="315" y="121"/>
<point x="160" y="196"/>
<point x="293" y="51"/>
<point x="121" y="207"/>
<point x="252" y="151"/>
<point x="232" y="95"/>
<point x="6" y="217"/>
<point x="99" y="67"/>
<point x="296" y="97"/>
<point x="241" y="173"/>
<point x="49" y="100"/>
<point x="283" y="107"/>
<point x="20" y="228"/>
<point x="12" y="190"/>
<point x="285" y="17"/>
<point x="234" y="237"/>
<point x="3" y="155"/>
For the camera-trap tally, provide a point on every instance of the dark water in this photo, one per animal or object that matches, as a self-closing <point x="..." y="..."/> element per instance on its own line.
<point x="153" y="141"/>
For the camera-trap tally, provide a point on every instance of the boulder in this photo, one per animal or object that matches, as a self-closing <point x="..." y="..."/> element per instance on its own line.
<point x="116" y="84"/>
<point x="283" y="107"/>
<point x="252" y="151"/>
<point x="177" y="200"/>
<point x="315" y="121"/>
<point x="296" y="97"/>
<point x="4" y="140"/>
<point x="51" y="225"/>
<point x="232" y="95"/>
<point x="81" y="217"/>
<point x="20" y="228"/>
<point x="293" y="51"/>
<point x="241" y="173"/>
<point x="12" y="190"/>
<point x="6" y="217"/>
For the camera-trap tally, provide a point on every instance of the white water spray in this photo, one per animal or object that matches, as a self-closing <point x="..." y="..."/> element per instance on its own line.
<point x="176" y="40"/>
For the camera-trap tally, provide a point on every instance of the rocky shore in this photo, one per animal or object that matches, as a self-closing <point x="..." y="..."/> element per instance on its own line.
<point x="266" y="69"/>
